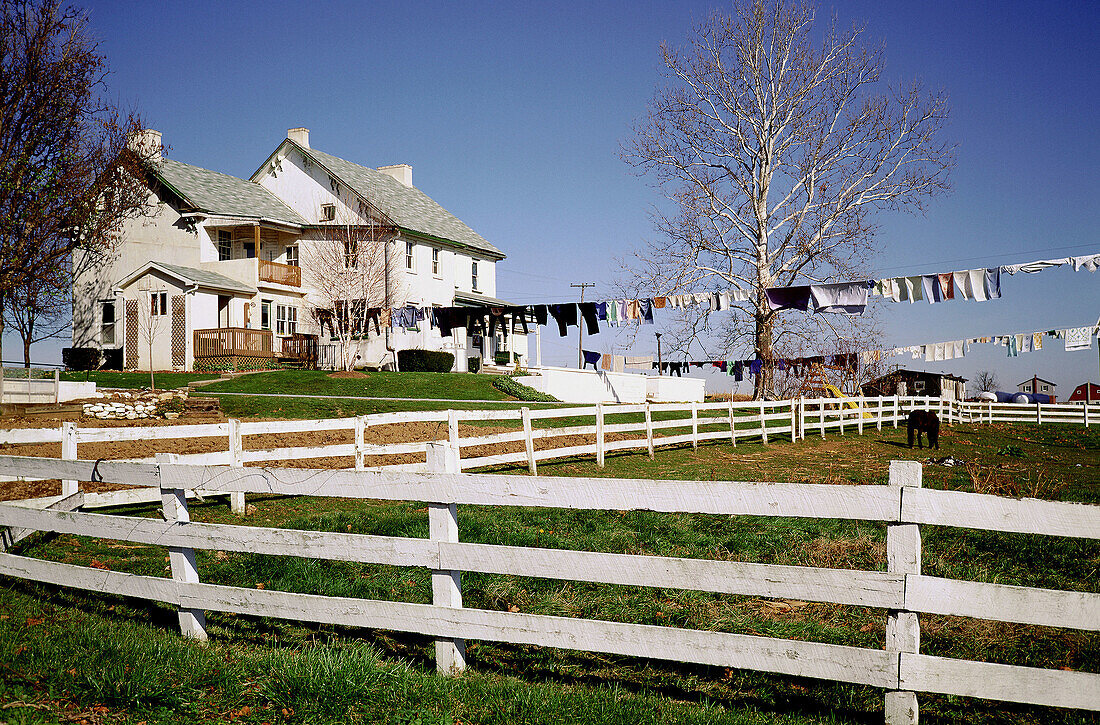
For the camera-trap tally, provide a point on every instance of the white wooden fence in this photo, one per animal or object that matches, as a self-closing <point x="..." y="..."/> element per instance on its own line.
<point x="21" y="386"/>
<point x="679" y="424"/>
<point x="902" y="590"/>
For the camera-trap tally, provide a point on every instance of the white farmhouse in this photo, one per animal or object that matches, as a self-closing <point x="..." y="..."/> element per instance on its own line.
<point x="218" y="275"/>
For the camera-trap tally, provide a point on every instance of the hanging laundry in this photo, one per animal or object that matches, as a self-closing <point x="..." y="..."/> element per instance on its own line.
<point x="947" y="286"/>
<point x="1078" y="338"/>
<point x="590" y="358"/>
<point x="618" y="364"/>
<point x="589" y="314"/>
<point x="540" y="313"/>
<point x="912" y="288"/>
<point x="930" y="285"/>
<point x="1033" y="267"/>
<point x="739" y="295"/>
<point x="605" y="362"/>
<point x="1025" y="342"/>
<point x="1089" y="262"/>
<point x="1013" y="345"/>
<point x="788" y="298"/>
<point x="601" y="311"/>
<point x="645" y="308"/>
<point x="992" y="282"/>
<point x="659" y="302"/>
<point x="565" y="315"/>
<point x="639" y="362"/>
<point x="846" y="297"/>
<point x="1037" y="341"/>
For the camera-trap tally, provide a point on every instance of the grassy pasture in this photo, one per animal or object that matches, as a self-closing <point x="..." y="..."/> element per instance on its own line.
<point x="67" y="656"/>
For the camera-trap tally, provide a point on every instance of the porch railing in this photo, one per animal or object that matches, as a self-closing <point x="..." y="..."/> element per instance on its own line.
<point x="233" y="341"/>
<point x="280" y="273"/>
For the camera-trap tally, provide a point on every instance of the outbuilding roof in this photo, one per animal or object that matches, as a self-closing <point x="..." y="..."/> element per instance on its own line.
<point x="190" y="276"/>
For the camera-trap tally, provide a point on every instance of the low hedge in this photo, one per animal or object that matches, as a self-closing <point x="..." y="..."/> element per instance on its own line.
<point x="425" y="361"/>
<point x="509" y="386"/>
<point x="80" y="358"/>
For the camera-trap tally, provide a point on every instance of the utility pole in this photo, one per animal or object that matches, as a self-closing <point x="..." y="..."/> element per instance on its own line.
<point x="580" y="323"/>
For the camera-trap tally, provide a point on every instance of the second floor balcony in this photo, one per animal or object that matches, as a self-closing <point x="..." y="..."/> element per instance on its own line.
<point x="253" y="271"/>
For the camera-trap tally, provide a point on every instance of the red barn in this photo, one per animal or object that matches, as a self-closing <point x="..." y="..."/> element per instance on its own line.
<point x="1086" y="392"/>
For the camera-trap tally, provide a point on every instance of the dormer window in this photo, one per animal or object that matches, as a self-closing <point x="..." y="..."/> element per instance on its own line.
<point x="328" y="212"/>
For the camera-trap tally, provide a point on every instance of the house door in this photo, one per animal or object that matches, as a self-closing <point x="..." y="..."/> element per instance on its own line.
<point x="223" y="310"/>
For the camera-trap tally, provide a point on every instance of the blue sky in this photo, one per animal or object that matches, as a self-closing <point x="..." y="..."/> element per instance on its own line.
<point x="512" y="115"/>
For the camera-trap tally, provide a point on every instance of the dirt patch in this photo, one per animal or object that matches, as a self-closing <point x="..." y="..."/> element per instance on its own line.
<point x="345" y="374"/>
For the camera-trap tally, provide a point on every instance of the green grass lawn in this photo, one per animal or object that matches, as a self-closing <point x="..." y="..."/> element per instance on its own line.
<point x="61" y="648"/>
<point x="135" y="380"/>
<point x="457" y="386"/>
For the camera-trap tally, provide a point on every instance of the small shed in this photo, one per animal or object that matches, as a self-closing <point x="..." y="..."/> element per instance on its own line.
<point x="1085" y="392"/>
<point x="917" y="382"/>
<point x="1035" y="384"/>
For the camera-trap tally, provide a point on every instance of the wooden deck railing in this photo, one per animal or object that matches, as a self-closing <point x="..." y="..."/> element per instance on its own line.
<point x="302" y="348"/>
<point x="233" y="341"/>
<point x="280" y="273"/>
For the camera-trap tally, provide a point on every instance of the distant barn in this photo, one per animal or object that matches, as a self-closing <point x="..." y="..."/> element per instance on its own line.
<point x="1085" y="392"/>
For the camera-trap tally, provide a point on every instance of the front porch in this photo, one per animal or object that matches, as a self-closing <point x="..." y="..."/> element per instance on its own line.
<point x="233" y="348"/>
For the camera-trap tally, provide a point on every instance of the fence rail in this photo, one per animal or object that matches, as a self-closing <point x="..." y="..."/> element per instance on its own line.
<point x="901" y="590"/>
<point x="604" y="428"/>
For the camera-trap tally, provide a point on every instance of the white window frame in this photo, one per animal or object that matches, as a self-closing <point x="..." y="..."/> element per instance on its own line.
<point x="291" y="319"/>
<point x="410" y="256"/>
<point x="292" y="255"/>
<point x="224" y="245"/>
<point x="158" y="303"/>
<point x="437" y="265"/>
<point x="265" y="314"/>
<point x="107" y="330"/>
<point x="280" y="319"/>
<point x="328" y="212"/>
<point x="473" y="275"/>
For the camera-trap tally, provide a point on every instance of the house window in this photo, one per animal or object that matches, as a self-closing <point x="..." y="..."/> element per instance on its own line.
<point x="280" y="319"/>
<point x="1045" y="387"/>
<point x="225" y="245"/>
<point x="918" y="386"/>
<point x="250" y="250"/>
<point x="291" y="320"/>
<point x="409" y="260"/>
<point x="473" y="275"/>
<point x="265" y="315"/>
<point x="351" y="253"/>
<point x="435" y="262"/>
<point x="292" y="255"/>
<point x="328" y="212"/>
<point x="107" y="324"/>
<point x="159" y="303"/>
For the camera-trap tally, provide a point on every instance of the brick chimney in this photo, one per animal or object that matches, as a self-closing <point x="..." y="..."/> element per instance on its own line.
<point x="299" y="136"/>
<point x="401" y="172"/>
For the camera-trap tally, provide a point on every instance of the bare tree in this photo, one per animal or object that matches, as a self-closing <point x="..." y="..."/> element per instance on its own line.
<point x="774" y="152"/>
<point x="39" y="312"/>
<point x="351" y="270"/>
<point x="152" y="322"/>
<point x="67" y="177"/>
<point x="985" y="381"/>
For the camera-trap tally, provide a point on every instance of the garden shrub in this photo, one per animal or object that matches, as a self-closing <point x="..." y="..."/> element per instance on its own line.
<point x="425" y="361"/>
<point x="509" y="386"/>
<point x="80" y="358"/>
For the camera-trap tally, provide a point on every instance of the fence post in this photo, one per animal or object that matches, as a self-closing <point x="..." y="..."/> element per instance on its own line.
<point x="695" y="425"/>
<point x="1" y="383"/>
<point x="360" y="441"/>
<point x="859" y="414"/>
<point x="56" y="387"/>
<point x="1039" y="413"/>
<point x="648" y="430"/>
<point x="450" y="653"/>
<point x="878" y="413"/>
<point x="794" y="423"/>
<point x="180" y="558"/>
<point x="821" y="414"/>
<point x="842" y="414"/>
<point x="897" y="409"/>
<point x="452" y="431"/>
<point x="1086" y="409"/>
<point x="528" y="441"/>
<point x="903" y="556"/>
<point x="599" y="435"/>
<point x="68" y="452"/>
<point x="733" y="428"/>
<point x="236" y="498"/>
<point x="763" y="426"/>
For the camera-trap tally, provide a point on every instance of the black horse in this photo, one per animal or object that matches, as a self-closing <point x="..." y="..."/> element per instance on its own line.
<point x="926" y="421"/>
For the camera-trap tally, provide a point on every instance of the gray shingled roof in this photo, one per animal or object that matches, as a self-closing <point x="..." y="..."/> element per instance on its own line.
<point x="205" y="278"/>
<point x="406" y="206"/>
<point x="223" y="194"/>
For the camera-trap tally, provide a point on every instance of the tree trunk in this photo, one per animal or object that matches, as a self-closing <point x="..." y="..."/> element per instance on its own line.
<point x="27" y="353"/>
<point x="765" y="324"/>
